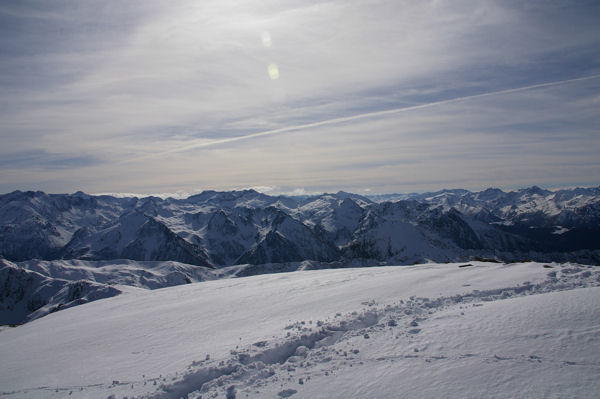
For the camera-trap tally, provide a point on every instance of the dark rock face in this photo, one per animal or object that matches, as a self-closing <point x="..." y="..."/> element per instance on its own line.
<point x="450" y="225"/>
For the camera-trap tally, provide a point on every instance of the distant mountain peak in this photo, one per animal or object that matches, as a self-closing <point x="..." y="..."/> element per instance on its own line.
<point x="535" y="190"/>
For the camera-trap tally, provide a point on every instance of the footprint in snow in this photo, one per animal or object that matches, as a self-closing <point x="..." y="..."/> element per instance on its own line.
<point x="286" y="393"/>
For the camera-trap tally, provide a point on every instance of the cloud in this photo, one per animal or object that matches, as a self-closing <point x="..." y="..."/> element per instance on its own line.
<point x="207" y="143"/>
<point x="176" y="195"/>
<point x="169" y="96"/>
<point x="42" y="159"/>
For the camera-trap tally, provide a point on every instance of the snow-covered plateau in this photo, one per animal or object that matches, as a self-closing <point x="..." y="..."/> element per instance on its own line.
<point x="456" y="330"/>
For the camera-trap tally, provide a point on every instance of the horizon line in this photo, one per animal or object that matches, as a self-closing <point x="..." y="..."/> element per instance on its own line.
<point x="184" y="194"/>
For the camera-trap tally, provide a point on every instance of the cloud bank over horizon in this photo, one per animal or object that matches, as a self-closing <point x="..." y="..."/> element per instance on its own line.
<point x="386" y="96"/>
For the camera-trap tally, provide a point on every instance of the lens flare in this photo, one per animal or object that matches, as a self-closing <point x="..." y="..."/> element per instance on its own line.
<point x="273" y="70"/>
<point x="266" y="39"/>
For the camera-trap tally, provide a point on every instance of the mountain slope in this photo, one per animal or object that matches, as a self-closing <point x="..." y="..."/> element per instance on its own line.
<point x="431" y="331"/>
<point x="27" y="295"/>
<point x="134" y="236"/>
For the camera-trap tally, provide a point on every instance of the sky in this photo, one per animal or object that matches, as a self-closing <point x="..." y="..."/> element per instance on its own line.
<point x="298" y="96"/>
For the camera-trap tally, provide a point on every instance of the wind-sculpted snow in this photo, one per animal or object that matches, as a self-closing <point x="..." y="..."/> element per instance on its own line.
<point x="467" y="330"/>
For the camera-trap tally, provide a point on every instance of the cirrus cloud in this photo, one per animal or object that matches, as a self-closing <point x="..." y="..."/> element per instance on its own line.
<point x="393" y="95"/>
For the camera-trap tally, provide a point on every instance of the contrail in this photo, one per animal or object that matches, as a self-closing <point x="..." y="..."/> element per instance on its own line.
<point x="203" y="143"/>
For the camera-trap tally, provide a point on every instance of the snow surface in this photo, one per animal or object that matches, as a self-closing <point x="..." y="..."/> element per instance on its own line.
<point x="437" y="330"/>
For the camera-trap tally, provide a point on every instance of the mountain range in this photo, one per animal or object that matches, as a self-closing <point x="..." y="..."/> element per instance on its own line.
<point x="217" y="229"/>
<point x="60" y="250"/>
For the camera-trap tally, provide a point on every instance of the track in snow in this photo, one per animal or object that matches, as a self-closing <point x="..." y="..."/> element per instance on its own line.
<point x="324" y="347"/>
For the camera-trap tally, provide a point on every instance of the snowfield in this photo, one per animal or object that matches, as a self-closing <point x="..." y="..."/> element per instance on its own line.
<point x="472" y="330"/>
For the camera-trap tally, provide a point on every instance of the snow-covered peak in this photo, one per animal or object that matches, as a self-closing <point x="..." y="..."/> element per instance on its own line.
<point x="489" y="194"/>
<point x="220" y="228"/>
<point x="358" y="199"/>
